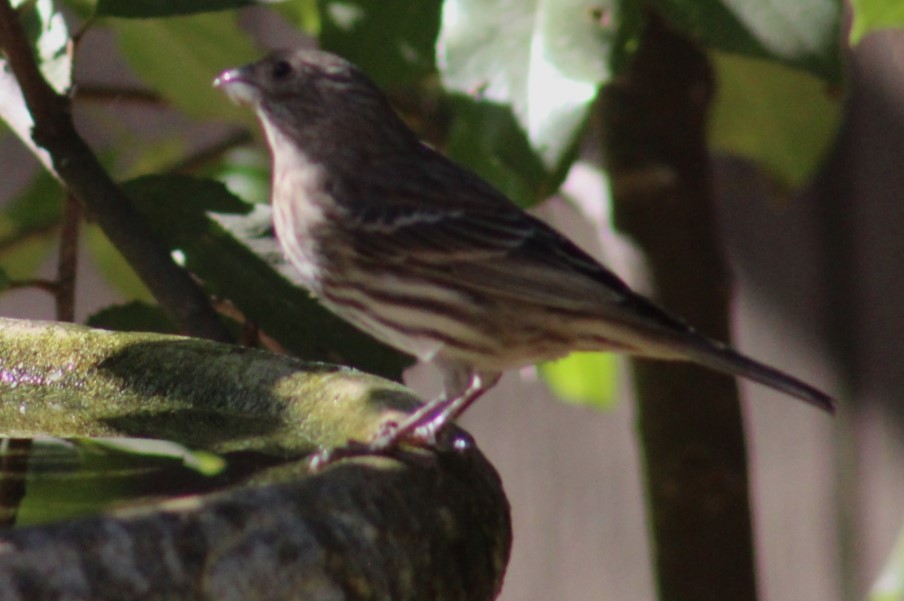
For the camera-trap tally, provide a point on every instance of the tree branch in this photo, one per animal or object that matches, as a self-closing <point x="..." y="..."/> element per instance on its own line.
<point x="85" y="178"/>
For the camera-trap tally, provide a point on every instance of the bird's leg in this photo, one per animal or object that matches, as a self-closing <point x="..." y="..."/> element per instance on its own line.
<point x="423" y="427"/>
<point x="385" y="443"/>
<point x="430" y="426"/>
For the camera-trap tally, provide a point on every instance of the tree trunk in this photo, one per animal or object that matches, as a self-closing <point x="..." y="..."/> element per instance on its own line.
<point x="692" y="436"/>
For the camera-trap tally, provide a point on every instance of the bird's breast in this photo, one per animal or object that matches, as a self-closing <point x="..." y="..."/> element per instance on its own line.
<point x="300" y="209"/>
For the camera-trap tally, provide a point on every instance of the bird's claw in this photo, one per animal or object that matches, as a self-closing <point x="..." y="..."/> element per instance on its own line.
<point x="388" y="443"/>
<point x="430" y="435"/>
<point x="326" y="457"/>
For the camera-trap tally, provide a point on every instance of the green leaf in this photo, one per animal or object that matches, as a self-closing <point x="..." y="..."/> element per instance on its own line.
<point x="802" y="34"/>
<point x="115" y="269"/>
<point x="241" y="267"/>
<point x="22" y="258"/>
<point x="782" y="118"/>
<point x="70" y="479"/>
<point x="870" y="15"/>
<point x="246" y="173"/>
<point x="39" y="206"/>
<point x="305" y="14"/>
<point x="197" y="49"/>
<point x="4" y="280"/>
<point x="393" y="42"/>
<point x="203" y="462"/>
<point x="134" y="316"/>
<point x="28" y="226"/>
<point x="485" y="137"/>
<point x="583" y="378"/>
<point x="544" y="58"/>
<point x="142" y="9"/>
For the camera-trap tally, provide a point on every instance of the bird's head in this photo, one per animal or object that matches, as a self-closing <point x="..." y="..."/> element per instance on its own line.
<point x="316" y="99"/>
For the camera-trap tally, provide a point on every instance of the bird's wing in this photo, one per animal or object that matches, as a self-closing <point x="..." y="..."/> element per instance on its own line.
<point x="450" y="226"/>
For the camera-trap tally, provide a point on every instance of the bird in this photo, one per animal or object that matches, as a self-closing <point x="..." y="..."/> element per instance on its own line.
<point x="426" y="256"/>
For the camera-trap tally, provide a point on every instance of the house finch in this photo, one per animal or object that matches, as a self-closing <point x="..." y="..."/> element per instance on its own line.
<point x="426" y="256"/>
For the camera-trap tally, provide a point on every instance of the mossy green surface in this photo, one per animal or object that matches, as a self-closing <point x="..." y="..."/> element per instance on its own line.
<point x="66" y="380"/>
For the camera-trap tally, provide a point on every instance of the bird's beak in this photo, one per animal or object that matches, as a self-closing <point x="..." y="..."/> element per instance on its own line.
<point x="238" y="84"/>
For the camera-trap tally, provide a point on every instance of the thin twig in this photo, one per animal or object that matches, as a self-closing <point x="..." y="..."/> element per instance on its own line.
<point x="25" y="235"/>
<point x="252" y="335"/>
<point x="63" y="287"/>
<point x="117" y="94"/>
<point x="48" y="286"/>
<point x="86" y="179"/>
<point x="68" y="259"/>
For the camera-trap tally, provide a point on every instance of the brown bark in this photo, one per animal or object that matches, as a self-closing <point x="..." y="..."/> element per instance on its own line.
<point x="692" y="434"/>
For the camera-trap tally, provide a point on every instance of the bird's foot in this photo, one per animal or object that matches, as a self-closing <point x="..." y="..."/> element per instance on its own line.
<point x="434" y="434"/>
<point x="326" y="457"/>
<point x="391" y="440"/>
<point x="353" y="449"/>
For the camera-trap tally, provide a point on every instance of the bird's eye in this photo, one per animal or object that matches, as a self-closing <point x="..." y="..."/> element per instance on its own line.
<point x="281" y="70"/>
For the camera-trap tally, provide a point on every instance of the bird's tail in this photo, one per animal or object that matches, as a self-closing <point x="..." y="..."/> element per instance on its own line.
<point x="725" y="359"/>
<point x="661" y="335"/>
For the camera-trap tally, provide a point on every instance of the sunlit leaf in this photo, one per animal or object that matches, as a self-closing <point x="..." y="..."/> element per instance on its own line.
<point x="47" y="30"/>
<point x="784" y="119"/>
<point x="544" y="58"/>
<point x="392" y="41"/>
<point x="802" y="34"/>
<point x="203" y="462"/>
<point x="305" y="14"/>
<point x="246" y="174"/>
<point x="583" y="378"/>
<point x="870" y="15"/>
